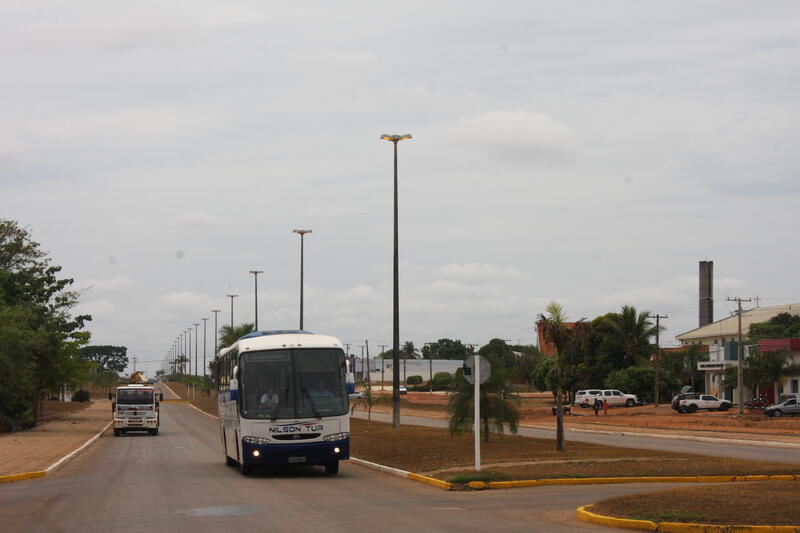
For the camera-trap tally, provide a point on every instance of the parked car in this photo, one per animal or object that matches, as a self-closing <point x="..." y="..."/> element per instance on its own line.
<point x="616" y="398"/>
<point x="355" y="395"/>
<point x="402" y="390"/>
<point x="702" y="401"/>
<point x="788" y="407"/>
<point x="683" y="396"/>
<point x="585" y="398"/>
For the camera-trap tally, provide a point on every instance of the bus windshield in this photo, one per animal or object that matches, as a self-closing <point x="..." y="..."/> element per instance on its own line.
<point x="135" y="396"/>
<point x="299" y="383"/>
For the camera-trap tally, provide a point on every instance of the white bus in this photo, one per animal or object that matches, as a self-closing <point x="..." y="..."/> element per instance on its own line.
<point x="282" y="400"/>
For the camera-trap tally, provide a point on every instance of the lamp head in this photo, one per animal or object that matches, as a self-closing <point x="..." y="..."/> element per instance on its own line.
<point x="395" y="138"/>
<point x="302" y="231"/>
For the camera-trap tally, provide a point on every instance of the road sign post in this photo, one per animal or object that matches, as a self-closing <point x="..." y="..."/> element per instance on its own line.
<point x="476" y="371"/>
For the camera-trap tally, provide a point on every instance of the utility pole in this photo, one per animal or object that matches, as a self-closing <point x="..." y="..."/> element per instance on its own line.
<point x="363" y="378"/>
<point x="383" y="361"/>
<point x="658" y="349"/>
<point x="369" y="377"/>
<point x="740" y="357"/>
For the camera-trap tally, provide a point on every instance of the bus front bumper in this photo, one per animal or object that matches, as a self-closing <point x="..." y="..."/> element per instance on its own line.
<point x="313" y="453"/>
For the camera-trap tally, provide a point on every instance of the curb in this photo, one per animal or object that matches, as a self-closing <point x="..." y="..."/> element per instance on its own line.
<point x="438" y="483"/>
<point x="611" y="480"/>
<point x="55" y="466"/>
<point x="582" y="513"/>
<point x="200" y="410"/>
<point x="718" y="440"/>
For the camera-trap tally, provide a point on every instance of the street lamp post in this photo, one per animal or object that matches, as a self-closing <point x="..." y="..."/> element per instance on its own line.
<point x="189" y="349"/>
<point x="205" y="344"/>
<point x="302" y="233"/>
<point x="195" y="347"/>
<point x="394" y="139"/>
<point x="232" y="296"/>
<point x="216" y="331"/>
<point x="255" y="274"/>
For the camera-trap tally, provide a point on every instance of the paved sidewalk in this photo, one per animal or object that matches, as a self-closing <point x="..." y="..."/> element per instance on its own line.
<point x="38" y="448"/>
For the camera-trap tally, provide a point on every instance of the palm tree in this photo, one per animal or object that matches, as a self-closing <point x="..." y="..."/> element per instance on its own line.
<point x="230" y="334"/>
<point x="498" y="406"/>
<point x="556" y="332"/>
<point x="629" y="338"/>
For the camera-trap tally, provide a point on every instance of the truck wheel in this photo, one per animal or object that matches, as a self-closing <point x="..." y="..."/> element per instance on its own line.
<point x="693" y="408"/>
<point x="724" y="407"/>
<point x="116" y="432"/>
<point x="153" y="431"/>
<point x="629" y="402"/>
<point x="777" y="412"/>
<point x="332" y="468"/>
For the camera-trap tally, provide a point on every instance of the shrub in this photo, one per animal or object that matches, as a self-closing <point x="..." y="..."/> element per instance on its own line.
<point x="81" y="396"/>
<point x="414" y="380"/>
<point x="442" y="380"/>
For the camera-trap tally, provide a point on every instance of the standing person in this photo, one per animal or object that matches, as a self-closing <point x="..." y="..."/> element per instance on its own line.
<point x="605" y="407"/>
<point x="598" y="404"/>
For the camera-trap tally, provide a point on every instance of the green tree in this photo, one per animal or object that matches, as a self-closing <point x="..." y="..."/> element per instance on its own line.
<point x="526" y="364"/>
<point x="552" y="324"/>
<point x="498" y="350"/>
<point x="41" y="345"/>
<point x="414" y="380"/>
<point x="106" y="357"/>
<point x="230" y="334"/>
<point x="446" y="349"/>
<point x="410" y="351"/>
<point x="628" y="340"/>
<point x="442" y="380"/>
<point x="499" y="407"/>
<point x="781" y="326"/>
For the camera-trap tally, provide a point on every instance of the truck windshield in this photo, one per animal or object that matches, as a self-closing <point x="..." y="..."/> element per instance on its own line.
<point x="134" y="397"/>
<point x="300" y="383"/>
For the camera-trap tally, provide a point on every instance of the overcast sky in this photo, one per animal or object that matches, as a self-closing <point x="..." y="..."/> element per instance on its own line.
<point x="589" y="153"/>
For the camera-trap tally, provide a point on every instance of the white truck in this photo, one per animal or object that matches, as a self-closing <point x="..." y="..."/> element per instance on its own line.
<point x="136" y="409"/>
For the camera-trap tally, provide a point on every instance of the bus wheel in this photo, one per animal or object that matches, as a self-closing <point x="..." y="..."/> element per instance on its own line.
<point x="229" y="461"/>
<point x="246" y="470"/>
<point x="332" y="468"/>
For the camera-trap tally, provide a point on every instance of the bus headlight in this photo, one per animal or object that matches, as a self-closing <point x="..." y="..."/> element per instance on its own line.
<point x="336" y="436"/>
<point x="255" y="440"/>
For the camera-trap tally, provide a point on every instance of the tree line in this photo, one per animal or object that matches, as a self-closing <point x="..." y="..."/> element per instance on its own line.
<point x="43" y="343"/>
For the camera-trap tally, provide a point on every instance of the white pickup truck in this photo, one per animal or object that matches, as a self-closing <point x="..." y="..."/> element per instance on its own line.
<point x="693" y="402"/>
<point x="136" y="409"/>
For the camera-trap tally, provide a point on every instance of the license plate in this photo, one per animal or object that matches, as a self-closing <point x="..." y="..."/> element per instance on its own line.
<point x="297" y="459"/>
<point x="135" y="421"/>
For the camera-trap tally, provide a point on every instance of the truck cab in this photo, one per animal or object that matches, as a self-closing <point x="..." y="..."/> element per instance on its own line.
<point x="136" y="409"/>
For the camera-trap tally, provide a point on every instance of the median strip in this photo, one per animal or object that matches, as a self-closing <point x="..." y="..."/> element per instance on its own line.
<point x="583" y="513"/>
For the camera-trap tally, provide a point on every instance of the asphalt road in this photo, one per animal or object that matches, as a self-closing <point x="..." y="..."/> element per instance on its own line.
<point x="755" y="452"/>
<point x="177" y="481"/>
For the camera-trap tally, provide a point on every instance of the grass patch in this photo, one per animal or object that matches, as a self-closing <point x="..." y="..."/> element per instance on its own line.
<point x="482" y="476"/>
<point x="433" y="452"/>
<point x="772" y="503"/>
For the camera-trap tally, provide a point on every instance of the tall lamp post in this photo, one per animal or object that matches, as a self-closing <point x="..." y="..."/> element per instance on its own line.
<point x="232" y="296"/>
<point x="189" y="349"/>
<point x="205" y="344"/>
<point x="394" y="139"/>
<point x="216" y="331"/>
<point x="195" y="347"/>
<point x="302" y="233"/>
<point x="255" y="274"/>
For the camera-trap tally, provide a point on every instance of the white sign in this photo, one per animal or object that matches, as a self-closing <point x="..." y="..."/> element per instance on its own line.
<point x="469" y="369"/>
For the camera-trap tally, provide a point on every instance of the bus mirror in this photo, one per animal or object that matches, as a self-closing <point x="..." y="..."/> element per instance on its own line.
<point x="235" y="371"/>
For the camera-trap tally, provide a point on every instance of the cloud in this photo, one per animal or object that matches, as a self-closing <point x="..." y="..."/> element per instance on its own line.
<point x="194" y="218"/>
<point x="116" y="283"/>
<point x="516" y="134"/>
